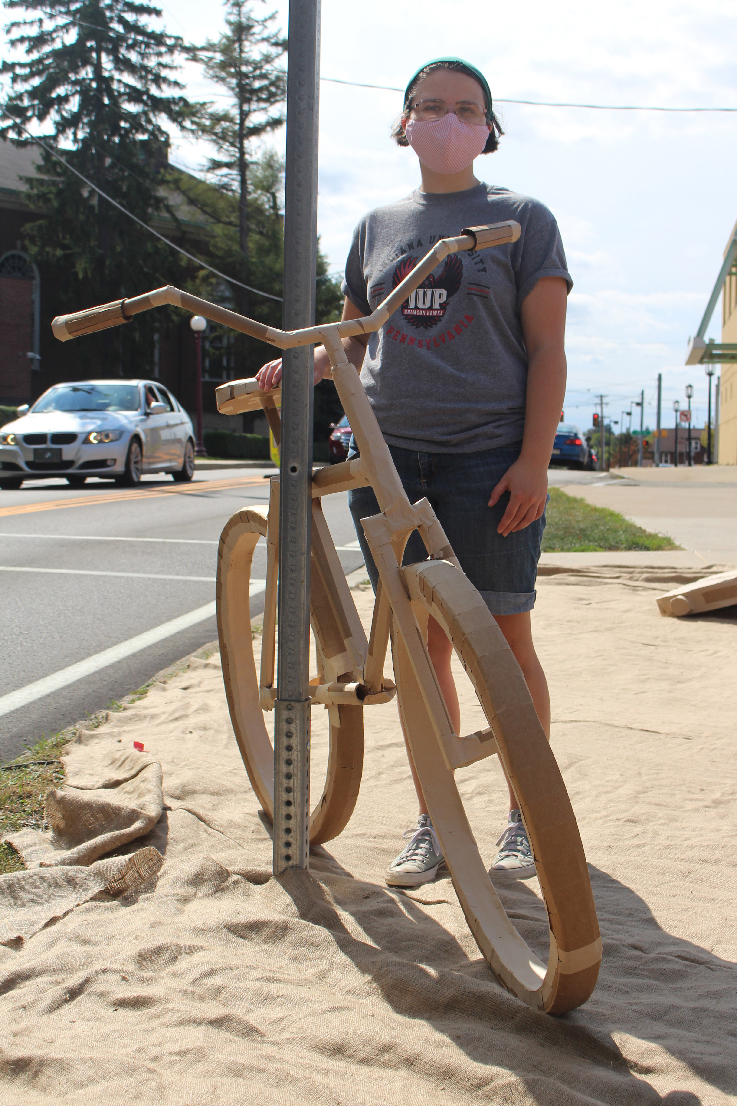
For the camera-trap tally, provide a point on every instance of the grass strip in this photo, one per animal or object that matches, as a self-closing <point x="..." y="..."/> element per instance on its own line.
<point x="23" y="786"/>
<point x="25" y="781"/>
<point x="574" y="526"/>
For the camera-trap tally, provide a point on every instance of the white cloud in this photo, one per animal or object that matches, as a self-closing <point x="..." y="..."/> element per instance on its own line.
<point x="645" y="201"/>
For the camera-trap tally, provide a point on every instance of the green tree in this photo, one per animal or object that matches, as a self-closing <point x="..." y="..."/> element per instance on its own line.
<point x="244" y="61"/>
<point x="266" y="232"/>
<point x="96" y="83"/>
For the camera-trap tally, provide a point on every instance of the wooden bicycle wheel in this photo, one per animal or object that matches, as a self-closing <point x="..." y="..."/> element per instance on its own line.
<point x="441" y="590"/>
<point x="345" y="758"/>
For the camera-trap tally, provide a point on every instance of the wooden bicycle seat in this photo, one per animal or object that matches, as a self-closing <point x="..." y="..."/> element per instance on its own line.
<point x="238" y="396"/>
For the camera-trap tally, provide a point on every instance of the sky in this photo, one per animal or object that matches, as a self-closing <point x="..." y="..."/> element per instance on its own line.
<point x="644" y="200"/>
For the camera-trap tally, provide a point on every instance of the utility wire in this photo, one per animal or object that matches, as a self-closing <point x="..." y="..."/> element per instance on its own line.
<point x="391" y="87"/>
<point x="95" y="188"/>
<point x="498" y="100"/>
<point x="543" y="103"/>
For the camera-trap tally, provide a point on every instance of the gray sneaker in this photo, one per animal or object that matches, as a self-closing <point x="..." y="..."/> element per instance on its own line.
<point x="514" y="859"/>
<point x="419" y="860"/>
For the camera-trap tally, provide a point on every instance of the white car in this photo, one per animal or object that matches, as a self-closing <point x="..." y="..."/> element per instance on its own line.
<point x="112" y="428"/>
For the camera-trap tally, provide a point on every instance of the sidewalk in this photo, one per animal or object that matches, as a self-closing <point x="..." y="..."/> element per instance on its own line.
<point x="705" y="475"/>
<point x="696" y="507"/>
<point x="659" y="558"/>
<point x="203" y="463"/>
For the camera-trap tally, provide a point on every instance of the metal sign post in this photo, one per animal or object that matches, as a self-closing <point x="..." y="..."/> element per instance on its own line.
<point x="292" y="708"/>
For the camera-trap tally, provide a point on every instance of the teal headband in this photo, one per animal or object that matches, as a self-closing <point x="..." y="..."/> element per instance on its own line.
<point x="467" y="65"/>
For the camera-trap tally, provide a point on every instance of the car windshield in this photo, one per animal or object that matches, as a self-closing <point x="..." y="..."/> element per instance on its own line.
<point x="344" y="424"/>
<point x="90" y="397"/>
<point x="569" y="431"/>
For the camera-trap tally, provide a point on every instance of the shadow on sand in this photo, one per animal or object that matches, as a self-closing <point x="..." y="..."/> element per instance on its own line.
<point x="653" y="987"/>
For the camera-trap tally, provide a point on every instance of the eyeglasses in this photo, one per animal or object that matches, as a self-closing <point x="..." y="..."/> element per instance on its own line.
<point x="466" y="110"/>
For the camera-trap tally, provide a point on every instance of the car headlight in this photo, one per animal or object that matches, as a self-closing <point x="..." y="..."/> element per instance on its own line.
<point x="8" y="439"/>
<point x="96" y="437"/>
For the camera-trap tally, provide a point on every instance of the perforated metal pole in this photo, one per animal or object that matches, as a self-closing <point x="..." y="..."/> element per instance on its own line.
<point x="292" y="710"/>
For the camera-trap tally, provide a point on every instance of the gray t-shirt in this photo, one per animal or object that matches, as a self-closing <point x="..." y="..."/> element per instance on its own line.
<point x="448" y="372"/>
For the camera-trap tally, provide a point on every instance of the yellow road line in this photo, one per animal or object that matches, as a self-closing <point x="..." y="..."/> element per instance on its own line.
<point x="134" y="493"/>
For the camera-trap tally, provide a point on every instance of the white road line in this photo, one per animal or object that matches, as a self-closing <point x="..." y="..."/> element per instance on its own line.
<point x="99" y="537"/>
<point x="100" y="572"/>
<point x="65" y="676"/>
<point x="94" y="537"/>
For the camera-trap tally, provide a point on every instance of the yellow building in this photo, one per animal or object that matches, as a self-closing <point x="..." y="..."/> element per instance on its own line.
<point x="722" y="354"/>
<point x="728" y="383"/>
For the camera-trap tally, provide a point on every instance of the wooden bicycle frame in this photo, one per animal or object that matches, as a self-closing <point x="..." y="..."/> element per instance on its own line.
<point x="350" y="669"/>
<point x="388" y="533"/>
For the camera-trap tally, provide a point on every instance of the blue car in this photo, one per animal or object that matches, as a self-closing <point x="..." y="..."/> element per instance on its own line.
<point x="571" y="448"/>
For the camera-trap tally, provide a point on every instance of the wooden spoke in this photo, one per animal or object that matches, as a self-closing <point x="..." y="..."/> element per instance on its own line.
<point x="529" y="764"/>
<point x="340" y="644"/>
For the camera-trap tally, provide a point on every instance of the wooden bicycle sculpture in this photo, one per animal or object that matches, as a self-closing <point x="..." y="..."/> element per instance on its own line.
<point x="350" y="668"/>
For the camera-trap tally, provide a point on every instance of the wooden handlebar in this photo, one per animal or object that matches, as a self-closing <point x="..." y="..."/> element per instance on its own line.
<point x="89" y="321"/>
<point x="494" y="234"/>
<point x="121" y="311"/>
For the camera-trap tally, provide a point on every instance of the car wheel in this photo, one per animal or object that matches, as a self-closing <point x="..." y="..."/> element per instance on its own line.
<point x="186" y="472"/>
<point x="11" y="483"/>
<point x="133" y="465"/>
<point x="76" y="481"/>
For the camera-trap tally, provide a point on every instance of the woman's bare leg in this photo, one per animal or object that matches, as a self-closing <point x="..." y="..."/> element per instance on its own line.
<point x="440" y="650"/>
<point x="517" y="631"/>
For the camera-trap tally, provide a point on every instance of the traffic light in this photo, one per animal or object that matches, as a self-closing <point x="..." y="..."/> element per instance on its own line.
<point x="596" y="420"/>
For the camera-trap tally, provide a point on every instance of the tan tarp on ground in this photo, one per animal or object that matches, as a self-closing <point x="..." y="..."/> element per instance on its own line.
<point x="221" y="985"/>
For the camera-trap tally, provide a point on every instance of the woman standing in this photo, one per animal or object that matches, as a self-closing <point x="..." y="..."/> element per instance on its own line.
<point x="467" y="387"/>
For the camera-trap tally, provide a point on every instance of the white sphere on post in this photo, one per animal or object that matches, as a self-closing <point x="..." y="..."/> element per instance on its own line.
<point x="198" y="325"/>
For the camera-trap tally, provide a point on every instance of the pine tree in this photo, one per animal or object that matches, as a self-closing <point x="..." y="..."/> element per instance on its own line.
<point x="96" y="83"/>
<point x="266" y="235"/>
<point x="244" y="60"/>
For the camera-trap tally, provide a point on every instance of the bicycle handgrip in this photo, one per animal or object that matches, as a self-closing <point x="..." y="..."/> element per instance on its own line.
<point x="494" y="234"/>
<point x="89" y="321"/>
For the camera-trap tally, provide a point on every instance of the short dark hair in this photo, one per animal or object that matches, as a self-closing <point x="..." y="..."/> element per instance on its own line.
<point x="492" y="142"/>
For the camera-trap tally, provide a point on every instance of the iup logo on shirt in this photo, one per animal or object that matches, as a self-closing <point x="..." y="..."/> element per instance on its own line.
<point x="426" y="306"/>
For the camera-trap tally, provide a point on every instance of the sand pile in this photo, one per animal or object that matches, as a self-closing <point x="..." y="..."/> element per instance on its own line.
<point x="212" y="983"/>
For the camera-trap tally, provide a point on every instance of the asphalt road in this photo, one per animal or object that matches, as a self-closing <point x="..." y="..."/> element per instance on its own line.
<point x="100" y="588"/>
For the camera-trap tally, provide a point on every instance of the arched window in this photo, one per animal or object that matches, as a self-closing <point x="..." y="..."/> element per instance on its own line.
<point x="18" y="266"/>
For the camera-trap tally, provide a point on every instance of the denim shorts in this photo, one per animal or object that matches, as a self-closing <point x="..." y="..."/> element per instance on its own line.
<point x="458" y="487"/>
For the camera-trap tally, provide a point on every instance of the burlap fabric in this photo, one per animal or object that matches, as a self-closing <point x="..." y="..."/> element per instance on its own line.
<point x="217" y="984"/>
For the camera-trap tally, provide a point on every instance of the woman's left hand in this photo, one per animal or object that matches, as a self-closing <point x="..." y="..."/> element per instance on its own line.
<point x="527" y="485"/>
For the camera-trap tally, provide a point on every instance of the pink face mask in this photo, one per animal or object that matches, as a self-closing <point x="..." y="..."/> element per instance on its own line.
<point x="446" y="145"/>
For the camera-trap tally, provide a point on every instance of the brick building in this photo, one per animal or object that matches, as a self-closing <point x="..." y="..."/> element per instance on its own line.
<point x="31" y="359"/>
<point x="668" y="446"/>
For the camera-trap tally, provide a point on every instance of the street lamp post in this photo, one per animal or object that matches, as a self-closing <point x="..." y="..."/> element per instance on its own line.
<point x="621" y="437"/>
<point x="676" y="408"/>
<point x="689" y="395"/>
<point x="199" y="324"/>
<point x="641" y="404"/>
<point x="709" y="369"/>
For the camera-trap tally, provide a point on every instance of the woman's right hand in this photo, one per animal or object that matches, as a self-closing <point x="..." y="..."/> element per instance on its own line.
<point x="269" y="375"/>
